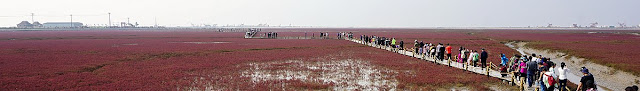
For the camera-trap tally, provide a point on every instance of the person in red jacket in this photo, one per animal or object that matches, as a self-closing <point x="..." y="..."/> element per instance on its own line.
<point x="448" y="48"/>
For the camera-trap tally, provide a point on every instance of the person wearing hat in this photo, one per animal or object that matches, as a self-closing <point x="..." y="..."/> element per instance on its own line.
<point x="523" y="70"/>
<point x="587" y="82"/>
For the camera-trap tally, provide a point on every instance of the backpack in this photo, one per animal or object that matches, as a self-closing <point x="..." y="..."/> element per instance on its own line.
<point x="590" y="84"/>
<point x="550" y="79"/>
<point x="475" y="58"/>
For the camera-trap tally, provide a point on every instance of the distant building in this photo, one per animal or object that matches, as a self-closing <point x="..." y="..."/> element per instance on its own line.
<point x="36" y="25"/>
<point x="62" y="25"/>
<point x="25" y="24"/>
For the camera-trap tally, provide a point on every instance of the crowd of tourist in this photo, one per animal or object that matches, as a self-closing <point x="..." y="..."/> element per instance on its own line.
<point x="345" y="35"/>
<point x="532" y="69"/>
<point x="271" y="35"/>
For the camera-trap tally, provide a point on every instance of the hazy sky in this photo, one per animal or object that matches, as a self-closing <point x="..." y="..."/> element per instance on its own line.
<point x="329" y="13"/>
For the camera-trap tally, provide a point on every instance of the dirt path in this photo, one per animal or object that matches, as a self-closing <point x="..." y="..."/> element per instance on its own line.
<point x="606" y="78"/>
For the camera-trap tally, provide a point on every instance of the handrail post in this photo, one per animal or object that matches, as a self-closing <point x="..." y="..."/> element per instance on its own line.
<point x="449" y="61"/>
<point x="488" y="67"/>
<point x="466" y="67"/>
<point x="413" y="54"/>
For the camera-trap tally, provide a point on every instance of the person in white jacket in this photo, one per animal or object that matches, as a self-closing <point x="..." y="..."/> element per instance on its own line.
<point x="562" y="76"/>
<point x="470" y="59"/>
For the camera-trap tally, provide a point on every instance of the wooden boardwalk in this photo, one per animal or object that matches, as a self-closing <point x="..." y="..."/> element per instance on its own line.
<point x="483" y="71"/>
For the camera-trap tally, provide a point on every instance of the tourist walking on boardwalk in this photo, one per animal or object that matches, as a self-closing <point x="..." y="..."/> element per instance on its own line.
<point x="541" y="84"/>
<point x="326" y="34"/>
<point x="388" y="42"/>
<point x="373" y="41"/>
<point x="393" y="44"/>
<point x="448" y="49"/>
<point x="504" y="59"/>
<point x="539" y="73"/>
<point x="441" y="51"/>
<point x="437" y="56"/>
<point x="433" y="50"/>
<point x="463" y="54"/>
<point x="534" y="57"/>
<point x="547" y="79"/>
<point x="425" y="49"/>
<point x="419" y="52"/>
<point x="483" y="58"/>
<point x="393" y="41"/>
<point x="364" y="38"/>
<point x="587" y="82"/>
<point x="523" y="70"/>
<point x="381" y="42"/>
<point x="459" y="57"/>
<point x="401" y="45"/>
<point x="416" y="46"/>
<point x="476" y="57"/>
<point x="551" y="65"/>
<point x="470" y="59"/>
<point x="532" y="68"/>
<point x="513" y="62"/>
<point x="562" y="76"/>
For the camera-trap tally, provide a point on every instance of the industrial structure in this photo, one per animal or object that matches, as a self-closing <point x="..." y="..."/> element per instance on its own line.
<point x="26" y="24"/>
<point x="63" y="25"/>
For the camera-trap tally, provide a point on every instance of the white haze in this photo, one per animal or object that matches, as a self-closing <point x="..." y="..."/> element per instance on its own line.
<point x="329" y="13"/>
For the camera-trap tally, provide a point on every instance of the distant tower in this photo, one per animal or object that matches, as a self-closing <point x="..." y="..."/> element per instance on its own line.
<point x="71" y="20"/>
<point x="32" y="18"/>
<point x="155" y="21"/>
<point x="109" y="19"/>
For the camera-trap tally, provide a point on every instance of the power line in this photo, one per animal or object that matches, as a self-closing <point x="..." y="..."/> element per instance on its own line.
<point x="45" y="15"/>
<point x="15" y="16"/>
<point x="92" y="15"/>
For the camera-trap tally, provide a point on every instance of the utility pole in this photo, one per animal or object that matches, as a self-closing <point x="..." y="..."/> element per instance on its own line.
<point x="155" y="21"/>
<point x="71" y="20"/>
<point x="109" y="19"/>
<point x="128" y="21"/>
<point x="32" y="18"/>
